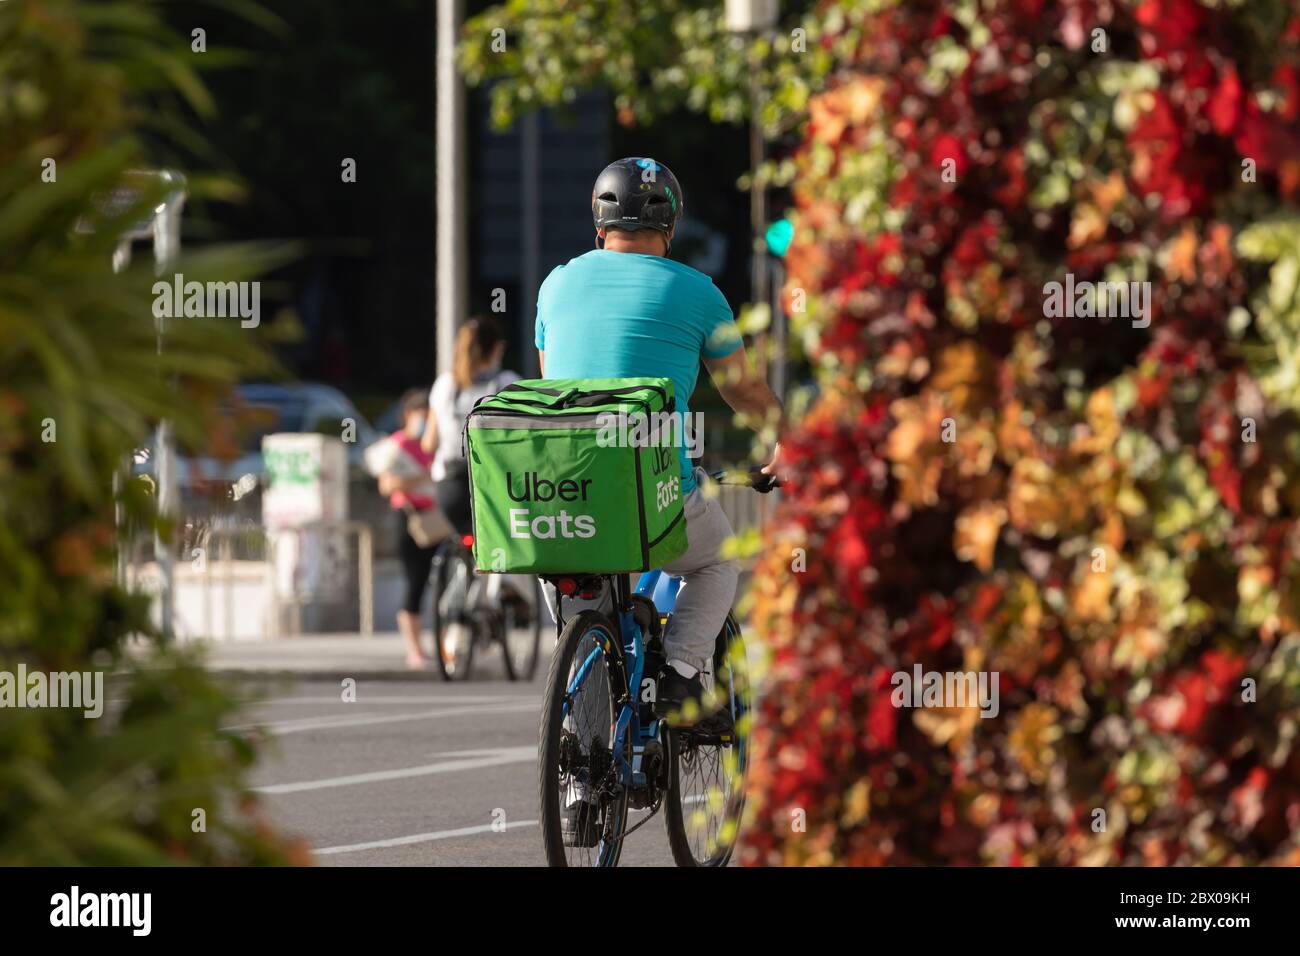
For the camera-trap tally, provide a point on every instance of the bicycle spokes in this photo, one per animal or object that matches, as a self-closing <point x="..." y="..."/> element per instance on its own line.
<point x="709" y="771"/>
<point x="587" y="768"/>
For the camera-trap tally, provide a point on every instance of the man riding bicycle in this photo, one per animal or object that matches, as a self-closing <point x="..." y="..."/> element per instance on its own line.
<point x="625" y="310"/>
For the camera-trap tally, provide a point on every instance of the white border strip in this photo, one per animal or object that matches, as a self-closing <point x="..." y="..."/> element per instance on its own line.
<point x="424" y="837"/>
<point x="471" y="760"/>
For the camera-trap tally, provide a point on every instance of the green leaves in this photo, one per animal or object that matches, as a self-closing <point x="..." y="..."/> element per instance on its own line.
<point x="82" y="383"/>
<point x="653" y="58"/>
<point x="1276" y="307"/>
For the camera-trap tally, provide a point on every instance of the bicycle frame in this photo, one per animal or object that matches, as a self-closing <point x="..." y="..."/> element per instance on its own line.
<point x="659" y="587"/>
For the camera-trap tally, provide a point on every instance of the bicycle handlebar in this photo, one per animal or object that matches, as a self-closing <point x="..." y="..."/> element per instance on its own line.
<point x="753" y="478"/>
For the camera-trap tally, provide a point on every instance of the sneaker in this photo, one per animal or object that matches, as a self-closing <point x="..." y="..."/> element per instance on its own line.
<point x="580" y="824"/>
<point x="682" y="701"/>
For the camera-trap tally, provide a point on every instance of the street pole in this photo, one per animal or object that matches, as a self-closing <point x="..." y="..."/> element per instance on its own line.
<point x="751" y="19"/>
<point x="452" y="186"/>
<point x="531" y="238"/>
<point x="166" y="246"/>
<point x="164" y="227"/>
<point x="757" y="193"/>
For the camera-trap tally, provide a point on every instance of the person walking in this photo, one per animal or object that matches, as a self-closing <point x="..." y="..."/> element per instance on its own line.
<point x="421" y="527"/>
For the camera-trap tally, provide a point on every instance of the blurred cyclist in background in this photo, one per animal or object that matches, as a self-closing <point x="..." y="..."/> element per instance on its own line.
<point x="475" y="373"/>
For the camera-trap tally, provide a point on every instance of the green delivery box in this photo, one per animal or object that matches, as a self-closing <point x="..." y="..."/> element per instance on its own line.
<point x="576" y="475"/>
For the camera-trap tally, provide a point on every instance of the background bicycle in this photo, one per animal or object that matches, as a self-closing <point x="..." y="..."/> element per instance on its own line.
<point x="472" y="611"/>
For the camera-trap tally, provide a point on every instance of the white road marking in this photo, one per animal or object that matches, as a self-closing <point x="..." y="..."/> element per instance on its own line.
<point x="425" y="837"/>
<point x="282" y="727"/>
<point x="695" y="799"/>
<point x="372" y="701"/>
<point x="469" y="760"/>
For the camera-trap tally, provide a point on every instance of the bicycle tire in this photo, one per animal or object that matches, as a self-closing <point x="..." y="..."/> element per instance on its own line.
<point x="614" y="812"/>
<point x="524" y="671"/>
<point x="452" y="561"/>
<point x="729" y="660"/>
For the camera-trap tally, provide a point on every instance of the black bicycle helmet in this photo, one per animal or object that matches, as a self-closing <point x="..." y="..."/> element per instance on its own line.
<point x="636" y="193"/>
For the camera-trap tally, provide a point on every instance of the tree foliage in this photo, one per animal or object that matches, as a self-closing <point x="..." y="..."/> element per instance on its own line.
<point x="81" y="385"/>
<point x="1101" y="513"/>
<point x="653" y="58"/>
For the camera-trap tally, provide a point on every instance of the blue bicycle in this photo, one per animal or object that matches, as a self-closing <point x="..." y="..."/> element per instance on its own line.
<point x="605" y="751"/>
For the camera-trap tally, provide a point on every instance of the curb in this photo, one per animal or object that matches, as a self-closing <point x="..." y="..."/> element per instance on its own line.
<point x="268" y="674"/>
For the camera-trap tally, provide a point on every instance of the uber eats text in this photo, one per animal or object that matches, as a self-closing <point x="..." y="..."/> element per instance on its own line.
<point x="533" y="487"/>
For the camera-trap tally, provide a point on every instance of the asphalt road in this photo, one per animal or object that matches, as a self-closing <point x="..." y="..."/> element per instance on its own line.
<point x="414" y="773"/>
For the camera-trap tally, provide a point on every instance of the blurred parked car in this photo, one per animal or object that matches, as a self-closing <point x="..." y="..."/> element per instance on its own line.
<point x="257" y="410"/>
<point x="390" y="419"/>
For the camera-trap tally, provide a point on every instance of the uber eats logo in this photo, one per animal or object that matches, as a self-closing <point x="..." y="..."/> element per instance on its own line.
<point x="533" y="487"/>
<point x="669" y="489"/>
<point x="666" y="492"/>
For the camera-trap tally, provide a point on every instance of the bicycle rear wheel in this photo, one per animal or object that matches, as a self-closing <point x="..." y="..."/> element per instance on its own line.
<point x="453" y="628"/>
<point x="574" y="756"/>
<point x="521" y="631"/>
<point x="706" y="773"/>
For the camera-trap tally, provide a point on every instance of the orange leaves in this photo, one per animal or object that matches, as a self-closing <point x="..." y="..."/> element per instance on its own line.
<point x="1092" y="213"/>
<point x="1033" y="739"/>
<point x="954" y="726"/>
<point x="977" y="532"/>
<point x="1090" y="597"/>
<point x="1015" y="439"/>
<point x="1041" y="501"/>
<point x="1182" y="256"/>
<point x="916" y="449"/>
<point x="1103" y="425"/>
<point x="851" y="104"/>
<point x="964" y="374"/>
<point x="1189" y="260"/>
<point x="939" y="428"/>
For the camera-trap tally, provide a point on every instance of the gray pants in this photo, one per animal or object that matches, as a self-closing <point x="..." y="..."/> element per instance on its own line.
<point x="708" y="585"/>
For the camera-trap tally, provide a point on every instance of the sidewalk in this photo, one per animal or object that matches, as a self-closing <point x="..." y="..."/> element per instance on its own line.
<point x="326" y="657"/>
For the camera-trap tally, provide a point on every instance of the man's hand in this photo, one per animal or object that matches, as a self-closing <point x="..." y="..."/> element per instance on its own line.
<point x="776" y="467"/>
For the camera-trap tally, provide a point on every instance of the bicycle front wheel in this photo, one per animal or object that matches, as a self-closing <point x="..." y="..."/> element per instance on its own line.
<point x="584" y="805"/>
<point x="706" y="772"/>
<point x="453" y="628"/>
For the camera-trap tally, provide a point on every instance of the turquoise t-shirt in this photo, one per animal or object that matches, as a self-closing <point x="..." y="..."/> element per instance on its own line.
<point x="626" y="315"/>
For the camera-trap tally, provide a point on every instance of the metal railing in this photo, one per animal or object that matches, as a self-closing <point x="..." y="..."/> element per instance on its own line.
<point x="744" y="507"/>
<point x="364" y="566"/>
<point x="217" y="551"/>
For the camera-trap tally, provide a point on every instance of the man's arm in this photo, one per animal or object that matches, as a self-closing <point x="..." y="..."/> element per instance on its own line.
<point x="541" y="364"/>
<point x="749" y="396"/>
